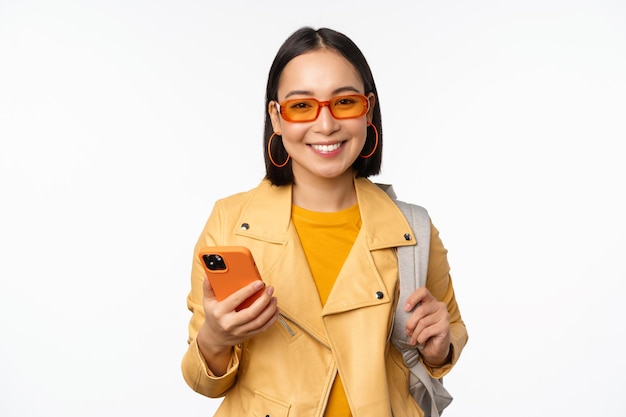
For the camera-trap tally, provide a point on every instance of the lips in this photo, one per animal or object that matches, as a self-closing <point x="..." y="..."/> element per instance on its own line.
<point x="327" y="148"/>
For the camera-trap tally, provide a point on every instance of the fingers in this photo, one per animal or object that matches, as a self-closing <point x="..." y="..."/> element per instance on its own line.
<point x="261" y="310"/>
<point x="251" y="319"/>
<point x="417" y="297"/>
<point x="244" y="294"/>
<point x="234" y="300"/>
<point x="430" y="326"/>
<point x="259" y="322"/>
<point x="430" y="318"/>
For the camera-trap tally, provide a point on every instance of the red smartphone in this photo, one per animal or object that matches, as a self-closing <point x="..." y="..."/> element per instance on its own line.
<point x="228" y="269"/>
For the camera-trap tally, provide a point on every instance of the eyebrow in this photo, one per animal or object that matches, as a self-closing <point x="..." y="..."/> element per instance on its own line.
<point x="336" y="91"/>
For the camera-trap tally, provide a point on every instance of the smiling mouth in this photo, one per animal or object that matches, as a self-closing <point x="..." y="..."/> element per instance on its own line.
<point x="327" y="148"/>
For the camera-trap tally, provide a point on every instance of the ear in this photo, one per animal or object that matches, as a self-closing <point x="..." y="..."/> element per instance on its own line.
<point x="272" y="110"/>
<point x="371" y="97"/>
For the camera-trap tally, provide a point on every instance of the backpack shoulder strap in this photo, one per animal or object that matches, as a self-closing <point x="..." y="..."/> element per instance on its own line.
<point x="415" y="260"/>
<point x="412" y="260"/>
<point x="429" y="393"/>
<point x="412" y="266"/>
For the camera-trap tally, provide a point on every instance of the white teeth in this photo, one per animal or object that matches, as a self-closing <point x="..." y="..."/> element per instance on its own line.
<point x="327" y="148"/>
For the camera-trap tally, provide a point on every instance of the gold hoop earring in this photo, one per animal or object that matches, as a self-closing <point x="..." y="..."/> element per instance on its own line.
<point x="269" y="153"/>
<point x="375" y="144"/>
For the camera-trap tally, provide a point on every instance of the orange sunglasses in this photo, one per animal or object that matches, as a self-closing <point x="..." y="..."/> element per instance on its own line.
<point x="302" y="110"/>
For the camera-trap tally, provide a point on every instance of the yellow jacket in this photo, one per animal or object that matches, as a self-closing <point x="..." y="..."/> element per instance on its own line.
<point x="289" y="370"/>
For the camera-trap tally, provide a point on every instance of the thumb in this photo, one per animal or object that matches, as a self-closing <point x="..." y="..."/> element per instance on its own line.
<point x="207" y="290"/>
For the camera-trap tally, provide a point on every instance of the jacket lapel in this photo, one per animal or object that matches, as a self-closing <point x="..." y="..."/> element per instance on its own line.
<point x="297" y="294"/>
<point x="359" y="283"/>
<point x="284" y="264"/>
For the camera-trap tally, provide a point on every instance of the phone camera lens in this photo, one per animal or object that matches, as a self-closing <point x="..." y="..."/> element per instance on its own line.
<point x="214" y="262"/>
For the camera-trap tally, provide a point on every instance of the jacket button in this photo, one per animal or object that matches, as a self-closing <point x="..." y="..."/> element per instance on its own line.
<point x="407" y="236"/>
<point x="379" y="295"/>
<point x="245" y="226"/>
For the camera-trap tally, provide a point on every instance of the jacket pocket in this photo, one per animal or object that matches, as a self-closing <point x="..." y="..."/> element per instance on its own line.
<point x="288" y="330"/>
<point x="265" y="406"/>
<point x="286" y="326"/>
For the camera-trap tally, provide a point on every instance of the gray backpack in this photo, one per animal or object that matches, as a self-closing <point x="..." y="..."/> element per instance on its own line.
<point x="429" y="392"/>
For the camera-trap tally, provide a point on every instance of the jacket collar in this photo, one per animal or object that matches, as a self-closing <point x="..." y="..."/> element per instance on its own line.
<point x="383" y="224"/>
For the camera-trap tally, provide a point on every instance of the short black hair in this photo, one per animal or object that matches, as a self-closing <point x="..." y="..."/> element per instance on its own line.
<point x="304" y="40"/>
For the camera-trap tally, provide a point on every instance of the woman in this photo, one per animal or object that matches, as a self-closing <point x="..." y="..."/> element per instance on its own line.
<point x="324" y="238"/>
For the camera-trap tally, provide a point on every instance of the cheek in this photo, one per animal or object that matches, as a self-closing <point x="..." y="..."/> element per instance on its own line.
<point x="293" y="132"/>
<point x="359" y="131"/>
<point x="292" y="136"/>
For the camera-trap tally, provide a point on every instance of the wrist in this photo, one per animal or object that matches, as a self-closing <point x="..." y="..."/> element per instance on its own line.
<point x="208" y="348"/>
<point x="438" y="361"/>
<point x="216" y="358"/>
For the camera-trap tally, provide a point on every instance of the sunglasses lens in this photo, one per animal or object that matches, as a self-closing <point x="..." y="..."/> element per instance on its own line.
<point x="303" y="110"/>
<point x="307" y="109"/>
<point x="346" y="107"/>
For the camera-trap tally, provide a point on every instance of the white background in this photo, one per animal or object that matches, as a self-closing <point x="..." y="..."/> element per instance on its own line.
<point x="121" y="122"/>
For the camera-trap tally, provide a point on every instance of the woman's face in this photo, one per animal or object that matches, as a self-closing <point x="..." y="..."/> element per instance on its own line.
<point x="327" y="147"/>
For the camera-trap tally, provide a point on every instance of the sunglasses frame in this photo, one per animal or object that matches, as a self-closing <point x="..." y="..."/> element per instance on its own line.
<point x="320" y="104"/>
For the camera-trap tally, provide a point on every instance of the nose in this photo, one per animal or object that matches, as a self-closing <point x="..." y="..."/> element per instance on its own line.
<point x="325" y="121"/>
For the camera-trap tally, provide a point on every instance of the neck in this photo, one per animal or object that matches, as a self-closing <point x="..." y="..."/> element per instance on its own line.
<point x="325" y="195"/>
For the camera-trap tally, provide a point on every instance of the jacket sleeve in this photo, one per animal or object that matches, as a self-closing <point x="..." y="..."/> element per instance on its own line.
<point x="439" y="283"/>
<point x="195" y="371"/>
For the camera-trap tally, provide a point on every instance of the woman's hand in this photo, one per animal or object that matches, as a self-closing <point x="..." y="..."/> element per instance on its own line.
<point x="429" y="326"/>
<point x="224" y="327"/>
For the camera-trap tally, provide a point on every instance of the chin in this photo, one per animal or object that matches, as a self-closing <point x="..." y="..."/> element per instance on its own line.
<point x="333" y="174"/>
